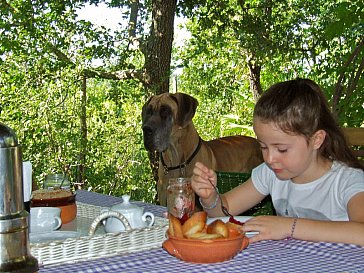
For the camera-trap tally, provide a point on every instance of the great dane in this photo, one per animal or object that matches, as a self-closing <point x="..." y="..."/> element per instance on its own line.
<point x="168" y="130"/>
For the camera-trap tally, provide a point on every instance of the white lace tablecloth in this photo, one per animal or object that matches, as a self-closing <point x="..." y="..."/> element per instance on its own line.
<point x="265" y="256"/>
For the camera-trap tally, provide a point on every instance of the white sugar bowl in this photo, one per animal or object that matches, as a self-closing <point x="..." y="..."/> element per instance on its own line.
<point x="134" y="214"/>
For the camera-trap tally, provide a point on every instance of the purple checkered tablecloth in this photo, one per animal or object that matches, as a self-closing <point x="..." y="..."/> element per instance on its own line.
<point x="102" y="200"/>
<point x="265" y="256"/>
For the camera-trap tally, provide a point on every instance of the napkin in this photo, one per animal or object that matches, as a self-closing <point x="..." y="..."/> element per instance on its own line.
<point x="27" y="180"/>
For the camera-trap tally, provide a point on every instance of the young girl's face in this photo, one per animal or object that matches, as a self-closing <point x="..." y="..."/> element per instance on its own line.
<point x="289" y="156"/>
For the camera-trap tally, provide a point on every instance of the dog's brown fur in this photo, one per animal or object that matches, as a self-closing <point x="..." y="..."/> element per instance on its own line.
<point x="168" y="129"/>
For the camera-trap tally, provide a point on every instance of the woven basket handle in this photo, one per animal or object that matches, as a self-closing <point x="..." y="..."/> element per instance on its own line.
<point x="105" y="215"/>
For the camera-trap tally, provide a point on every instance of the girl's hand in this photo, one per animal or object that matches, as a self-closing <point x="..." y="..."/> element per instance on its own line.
<point x="269" y="227"/>
<point x="200" y="181"/>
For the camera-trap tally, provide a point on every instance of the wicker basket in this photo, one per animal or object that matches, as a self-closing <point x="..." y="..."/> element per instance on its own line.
<point x="101" y="244"/>
<point x="229" y="180"/>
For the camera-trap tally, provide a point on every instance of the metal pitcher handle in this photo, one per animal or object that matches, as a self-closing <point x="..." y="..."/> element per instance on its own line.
<point x="105" y="215"/>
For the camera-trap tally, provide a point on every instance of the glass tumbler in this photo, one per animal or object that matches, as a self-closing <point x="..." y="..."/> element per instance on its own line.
<point x="180" y="198"/>
<point x="55" y="181"/>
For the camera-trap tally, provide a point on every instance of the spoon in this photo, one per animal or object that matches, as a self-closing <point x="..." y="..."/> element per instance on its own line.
<point x="223" y="208"/>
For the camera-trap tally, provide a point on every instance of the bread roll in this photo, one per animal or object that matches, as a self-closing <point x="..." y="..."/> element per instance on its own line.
<point x="175" y="227"/>
<point x="195" y="223"/>
<point x="218" y="227"/>
<point x="204" y="236"/>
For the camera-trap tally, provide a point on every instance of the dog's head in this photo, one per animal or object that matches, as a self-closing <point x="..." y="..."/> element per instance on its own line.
<point x="163" y="113"/>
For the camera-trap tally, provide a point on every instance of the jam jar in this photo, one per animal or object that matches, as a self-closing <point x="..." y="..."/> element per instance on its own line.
<point x="180" y="198"/>
<point x="61" y="198"/>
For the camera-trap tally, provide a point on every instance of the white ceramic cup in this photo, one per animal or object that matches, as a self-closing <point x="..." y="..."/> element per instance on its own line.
<point x="45" y="219"/>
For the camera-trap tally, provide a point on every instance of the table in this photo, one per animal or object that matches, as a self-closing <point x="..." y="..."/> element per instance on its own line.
<point x="264" y="256"/>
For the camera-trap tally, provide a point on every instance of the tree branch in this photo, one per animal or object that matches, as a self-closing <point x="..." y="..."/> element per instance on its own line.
<point x="118" y="75"/>
<point x="141" y="75"/>
<point x="338" y="87"/>
<point x="355" y="78"/>
<point x="6" y="4"/>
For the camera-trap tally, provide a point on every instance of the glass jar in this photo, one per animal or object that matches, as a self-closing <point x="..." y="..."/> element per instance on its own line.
<point x="61" y="198"/>
<point x="54" y="181"/>
<point x="180" y="198"/>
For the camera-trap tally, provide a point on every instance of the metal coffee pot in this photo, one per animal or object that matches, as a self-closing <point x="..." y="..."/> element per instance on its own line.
<point x="14" y="235"/>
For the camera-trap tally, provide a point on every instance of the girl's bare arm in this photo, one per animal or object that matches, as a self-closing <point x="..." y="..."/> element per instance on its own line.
<point x="236" y="201"/>
<point x="275" y="228"/>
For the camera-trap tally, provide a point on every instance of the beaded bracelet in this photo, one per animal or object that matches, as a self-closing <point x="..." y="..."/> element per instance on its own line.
<point x="293" y="228"/>
<point x="213" y="205"/>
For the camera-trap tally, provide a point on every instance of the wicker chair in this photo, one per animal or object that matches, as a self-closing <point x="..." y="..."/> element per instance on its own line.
<point x="355" y="138"/>
<point x="227" y="181"/>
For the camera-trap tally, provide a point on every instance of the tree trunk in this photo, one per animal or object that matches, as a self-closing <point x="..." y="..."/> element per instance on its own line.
<point x="133" y="19"/>
<point x="159" y="47"/>
<point x="83" y="143"/>
<point x="254" y="79"/>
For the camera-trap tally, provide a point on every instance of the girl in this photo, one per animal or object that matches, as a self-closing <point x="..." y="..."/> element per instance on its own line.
<point x="316" y="183"/>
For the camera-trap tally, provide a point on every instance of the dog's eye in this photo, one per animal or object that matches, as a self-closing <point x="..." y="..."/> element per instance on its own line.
<point x="165" y="112"/>
<point x="149" y="111"/>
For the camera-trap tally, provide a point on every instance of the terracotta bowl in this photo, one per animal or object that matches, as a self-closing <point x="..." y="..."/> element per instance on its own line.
<point x="66" y="204"/>
<point x="206" y="251"/>
<point x="68" y="213"/>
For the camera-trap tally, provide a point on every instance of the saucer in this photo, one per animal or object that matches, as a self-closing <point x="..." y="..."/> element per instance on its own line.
<point x="239" y="218"/>
<point x="43" y="237"/>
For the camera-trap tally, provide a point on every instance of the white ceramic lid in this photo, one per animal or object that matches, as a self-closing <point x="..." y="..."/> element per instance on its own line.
<point x="126" y="206"/>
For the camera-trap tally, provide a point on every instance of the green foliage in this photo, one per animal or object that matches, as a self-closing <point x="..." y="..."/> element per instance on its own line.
<point x="217" y="78"/>
<point x="286" y="39"/>
<point x="47" y="123"/>
<point x="44" y="49"/>
<point x="117" y="161"/>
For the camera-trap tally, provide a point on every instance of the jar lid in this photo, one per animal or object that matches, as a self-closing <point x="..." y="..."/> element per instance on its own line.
<point x="125" y="206"/>
<point x="179" y="182"/>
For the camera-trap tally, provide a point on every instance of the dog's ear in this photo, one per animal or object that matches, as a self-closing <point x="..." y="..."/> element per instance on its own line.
<point x="186" y="108"/>
<point x="144" y="109"/>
